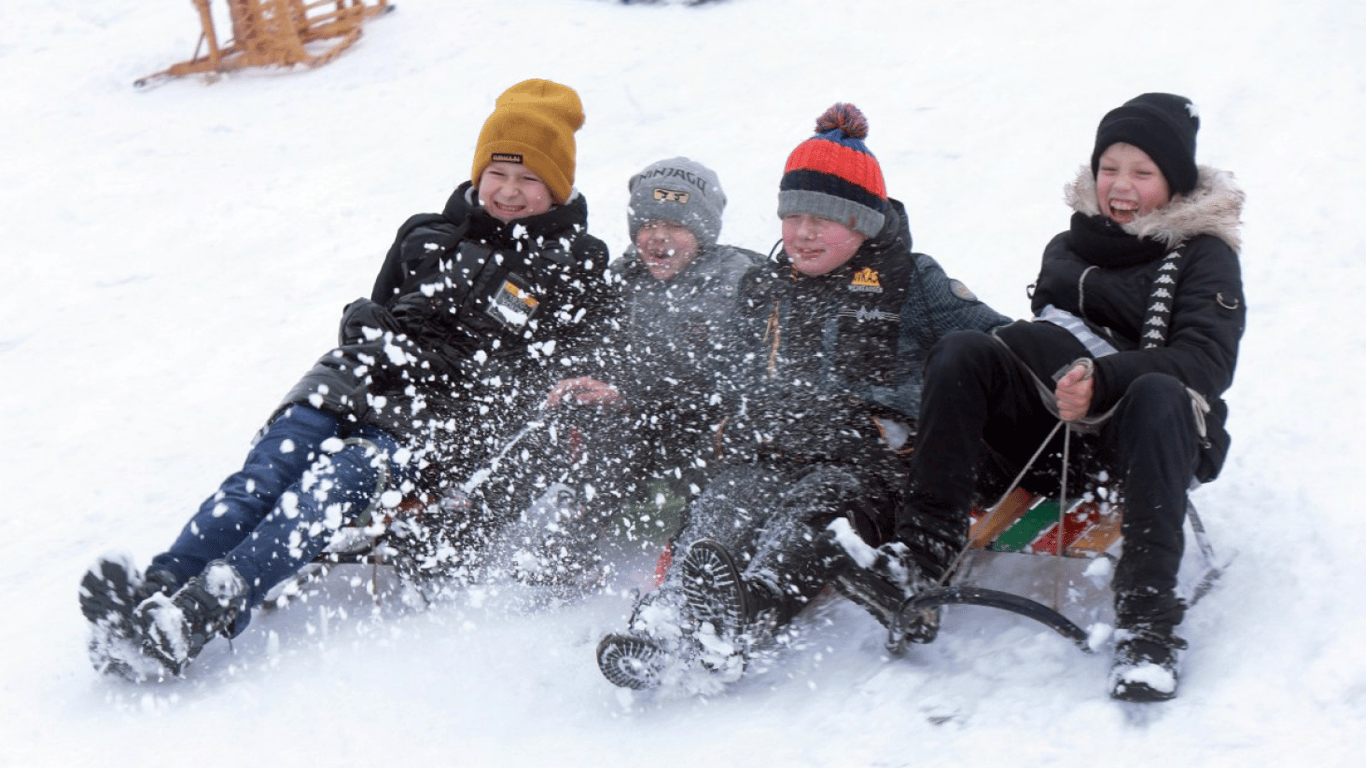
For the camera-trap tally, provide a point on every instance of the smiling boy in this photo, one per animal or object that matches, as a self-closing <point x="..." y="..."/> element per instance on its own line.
<point x="820" y="376"/>
<point x="1139" y="312"/>
<point x="449" y="349"/>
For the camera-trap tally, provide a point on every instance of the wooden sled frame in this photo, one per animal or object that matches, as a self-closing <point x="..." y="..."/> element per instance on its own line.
<point x="274" y="33"/>
<point x="1027" y="523"/>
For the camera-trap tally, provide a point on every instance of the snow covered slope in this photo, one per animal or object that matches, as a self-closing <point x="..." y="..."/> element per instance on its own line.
<point x="174" y="259"/>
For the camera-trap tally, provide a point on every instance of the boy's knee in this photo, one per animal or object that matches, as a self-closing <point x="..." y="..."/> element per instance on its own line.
<point x="1158" y="396"/>
<point x="961" y="350"/>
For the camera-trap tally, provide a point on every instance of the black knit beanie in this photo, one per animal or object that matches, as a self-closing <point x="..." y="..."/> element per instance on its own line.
<point x="1162" y="125"/>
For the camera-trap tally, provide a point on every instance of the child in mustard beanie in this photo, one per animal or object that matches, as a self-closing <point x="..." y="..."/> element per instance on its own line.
<point x="446" y="357"/>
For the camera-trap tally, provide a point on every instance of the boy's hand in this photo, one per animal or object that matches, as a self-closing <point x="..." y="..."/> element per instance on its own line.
<point x="583" y="390"/>
<point x="1074" y="391"/>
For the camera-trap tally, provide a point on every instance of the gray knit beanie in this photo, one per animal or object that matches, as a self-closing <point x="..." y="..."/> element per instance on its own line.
<point x="679" y="190"/>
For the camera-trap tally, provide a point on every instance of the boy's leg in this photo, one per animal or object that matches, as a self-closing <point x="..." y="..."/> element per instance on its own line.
<point x="730" y="512"/>
<point x="976" y="393"/>
<point x="662" y="628"/>
<point x="1154" y="440"/>
<point x="1153" y="437"/>
<point x="790" y="567"/>
<point x="289" y="445"/>
<point x="335" y="490"/>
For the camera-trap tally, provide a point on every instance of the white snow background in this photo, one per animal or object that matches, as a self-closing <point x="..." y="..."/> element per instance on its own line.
<point x="175" y="258"/>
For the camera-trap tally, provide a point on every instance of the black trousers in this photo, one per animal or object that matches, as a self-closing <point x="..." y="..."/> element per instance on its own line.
<point x="981" y="406"/>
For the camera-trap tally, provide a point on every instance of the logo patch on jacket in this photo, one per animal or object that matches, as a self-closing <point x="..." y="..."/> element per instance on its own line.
<point x="864" y="314"/>
<point x="961" y="291"/>
<point x="866" y="280"/>
<point x="512" y="305"/>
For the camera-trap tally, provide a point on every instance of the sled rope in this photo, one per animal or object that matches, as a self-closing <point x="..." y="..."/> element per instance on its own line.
<point x="958" y="559"/>
<point x="1062" y="518"/>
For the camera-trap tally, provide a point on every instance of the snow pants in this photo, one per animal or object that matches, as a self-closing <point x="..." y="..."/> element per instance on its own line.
<point x="305" y="477"/>
<point x="769" y="514"/>
<point x="979" y="396"/>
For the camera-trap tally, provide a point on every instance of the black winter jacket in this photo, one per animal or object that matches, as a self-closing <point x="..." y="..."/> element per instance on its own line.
<point x="469" y="318"/>
<point x="817" y="359"/>
<point x="1104" y="274"/>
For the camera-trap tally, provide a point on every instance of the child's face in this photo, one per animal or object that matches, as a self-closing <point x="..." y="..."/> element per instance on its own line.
<point x="666" y="248"/>
<point x="817" y="246"/>
<point x="513" y="191"/>
<point x="1129" y="184"/>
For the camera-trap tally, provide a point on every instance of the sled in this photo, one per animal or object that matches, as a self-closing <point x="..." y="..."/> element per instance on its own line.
<point x="1027" y="523"/>
<point x="278" y="33"/>
<point x="402" y="538"/>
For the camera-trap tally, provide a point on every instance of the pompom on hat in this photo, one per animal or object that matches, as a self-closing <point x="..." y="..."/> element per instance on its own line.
<point x="533" y="123"/>
<point x="832" y="175"/>
<point x="1161" y="124"/>
<point x="679" y="190"/>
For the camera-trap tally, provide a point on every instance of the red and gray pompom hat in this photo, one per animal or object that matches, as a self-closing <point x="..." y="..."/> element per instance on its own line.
<point x="832" y="175"/>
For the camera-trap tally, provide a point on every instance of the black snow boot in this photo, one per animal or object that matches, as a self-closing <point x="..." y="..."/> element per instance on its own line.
<point x="720" y="604"/>
<point x="745" y="612"/>
<point x="880" y="580"/>
<point x="631" y="661"/>
<point x="1146" y="663"/>
<point x="109" y="595"/>
<point x="714" y="591"/>
<point x="176" y="628"/>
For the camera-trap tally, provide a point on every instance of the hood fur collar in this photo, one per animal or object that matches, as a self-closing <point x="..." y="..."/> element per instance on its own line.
<point x="1214" y="207"/>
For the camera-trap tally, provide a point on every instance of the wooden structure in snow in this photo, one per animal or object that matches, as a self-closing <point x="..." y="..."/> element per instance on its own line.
<point x="274" y="33"/>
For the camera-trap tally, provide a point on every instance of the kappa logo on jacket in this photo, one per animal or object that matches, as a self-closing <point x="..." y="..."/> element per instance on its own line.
<point x="866" y="280"/>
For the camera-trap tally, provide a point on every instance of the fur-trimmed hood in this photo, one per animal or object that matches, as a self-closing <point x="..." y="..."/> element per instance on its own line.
<point x="1214" y="207"/>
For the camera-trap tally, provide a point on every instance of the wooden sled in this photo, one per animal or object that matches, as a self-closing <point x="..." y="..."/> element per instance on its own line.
<point x="273" y="33"/>
<point x="1027" y="523"/>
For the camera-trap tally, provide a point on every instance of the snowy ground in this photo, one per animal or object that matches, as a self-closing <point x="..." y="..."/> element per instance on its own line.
<point x="174" y="259"/>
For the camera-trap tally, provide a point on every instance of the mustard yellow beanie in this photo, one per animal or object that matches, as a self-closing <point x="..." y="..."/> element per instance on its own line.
<point x="533" y="123"/>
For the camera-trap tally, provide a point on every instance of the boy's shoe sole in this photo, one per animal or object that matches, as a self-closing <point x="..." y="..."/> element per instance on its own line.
<point x="630" y="661"/>
<point x="712" y="587"/>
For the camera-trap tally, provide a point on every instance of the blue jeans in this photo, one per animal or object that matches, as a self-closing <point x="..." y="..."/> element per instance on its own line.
<point x="302" y="480"/>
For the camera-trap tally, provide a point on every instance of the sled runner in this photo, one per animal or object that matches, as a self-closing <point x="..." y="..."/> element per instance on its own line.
<point x="1026" y="523"/>
<point x="278" y="33"/>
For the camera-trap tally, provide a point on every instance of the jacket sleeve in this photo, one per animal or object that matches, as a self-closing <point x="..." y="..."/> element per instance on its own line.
<point x="936" y="305"/>
<point x="587" y="344"/>
<point x="949" y="304"/>
<point x="1207" y="321"/>
<point x="340" y="381"/>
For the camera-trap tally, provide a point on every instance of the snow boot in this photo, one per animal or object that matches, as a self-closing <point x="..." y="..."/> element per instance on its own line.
<point x="109" y="595"/>
<point x="176" y="628"/>
<point x="722" y="605"/>
<point x="713" y="589"/>
<point x="1145" y="667"/>
<point x="631" y="661"/>
<point x="880" y="580"/>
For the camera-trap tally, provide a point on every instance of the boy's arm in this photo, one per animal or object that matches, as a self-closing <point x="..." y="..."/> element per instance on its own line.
<point x="951" y="305"/>
<point x="1207" y="323"/>
<point x="408" y="248"/>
